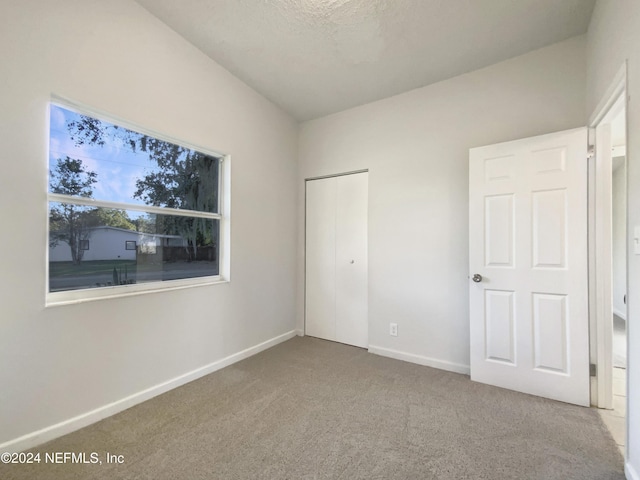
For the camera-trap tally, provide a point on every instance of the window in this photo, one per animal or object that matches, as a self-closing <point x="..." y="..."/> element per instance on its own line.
<point x="117" y="187"/>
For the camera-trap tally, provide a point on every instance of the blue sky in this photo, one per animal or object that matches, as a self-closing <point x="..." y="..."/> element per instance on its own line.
<point x="117" y="166"/>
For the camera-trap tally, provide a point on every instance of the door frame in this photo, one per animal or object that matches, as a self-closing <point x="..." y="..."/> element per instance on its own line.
<point x="600" y="245"/>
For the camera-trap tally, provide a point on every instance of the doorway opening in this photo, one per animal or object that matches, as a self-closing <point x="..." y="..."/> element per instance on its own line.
<point x="608" y="258"/>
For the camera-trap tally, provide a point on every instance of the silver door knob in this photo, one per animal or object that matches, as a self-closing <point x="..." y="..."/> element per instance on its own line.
<point x="477" y="278"/>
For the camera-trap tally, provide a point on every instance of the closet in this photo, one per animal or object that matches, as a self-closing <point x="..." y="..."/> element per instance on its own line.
<point x="336" y="259"/>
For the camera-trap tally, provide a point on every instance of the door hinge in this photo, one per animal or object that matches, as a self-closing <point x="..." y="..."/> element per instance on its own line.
<point x="592" y="369"/>
<point x="591" y="151"/>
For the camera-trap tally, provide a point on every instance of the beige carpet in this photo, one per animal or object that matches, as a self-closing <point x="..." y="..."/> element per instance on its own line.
<point x="311" y="409"/>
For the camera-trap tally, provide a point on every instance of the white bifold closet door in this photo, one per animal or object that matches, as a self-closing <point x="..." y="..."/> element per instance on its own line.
<point x="336" y="259"/>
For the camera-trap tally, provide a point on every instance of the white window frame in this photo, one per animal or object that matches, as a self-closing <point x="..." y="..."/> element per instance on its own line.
<point x="223" y="216"/>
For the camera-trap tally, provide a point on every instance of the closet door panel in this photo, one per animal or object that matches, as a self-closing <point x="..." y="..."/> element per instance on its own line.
<point x="351" y="259"/>
<point x="320" y="301"/>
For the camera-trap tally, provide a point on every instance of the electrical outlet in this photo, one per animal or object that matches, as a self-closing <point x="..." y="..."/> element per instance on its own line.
<point x="393" y="329"/>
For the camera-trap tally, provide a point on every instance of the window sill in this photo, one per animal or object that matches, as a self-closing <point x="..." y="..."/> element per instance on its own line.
<point x="72" y="297"/>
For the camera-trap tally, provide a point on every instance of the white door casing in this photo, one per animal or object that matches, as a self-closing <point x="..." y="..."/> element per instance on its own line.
<point x="528" y="241"/>
<point x="336" y="292"/>
<point x="612" y="105"/>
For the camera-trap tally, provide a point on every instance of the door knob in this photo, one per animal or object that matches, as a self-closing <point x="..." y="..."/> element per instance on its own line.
<point x="477" y="278"/>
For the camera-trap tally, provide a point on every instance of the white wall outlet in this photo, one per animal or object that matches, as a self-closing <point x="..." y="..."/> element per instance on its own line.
<point x="393" y="329"/>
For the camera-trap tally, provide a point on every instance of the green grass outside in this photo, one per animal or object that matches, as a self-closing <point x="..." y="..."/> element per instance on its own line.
<point x="91" y="274"/>
<point x="94" y="267"/>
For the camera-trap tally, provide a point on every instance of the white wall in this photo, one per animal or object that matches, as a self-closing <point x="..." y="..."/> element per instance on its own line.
<point x="416" y="147"/>
<point x="619" y="239"/>
<point x="613" y="37"/>
<point x="60" y="362"/>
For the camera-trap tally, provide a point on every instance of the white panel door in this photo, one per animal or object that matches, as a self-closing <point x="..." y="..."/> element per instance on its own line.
<point x="336" y="297"/>
<point x="528" y="263"/>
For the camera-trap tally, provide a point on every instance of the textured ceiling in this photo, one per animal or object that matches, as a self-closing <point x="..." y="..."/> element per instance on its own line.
<point x="316" y="57"/>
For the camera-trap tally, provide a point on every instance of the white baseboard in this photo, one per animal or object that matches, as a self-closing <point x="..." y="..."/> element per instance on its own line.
<point x="621" y="314"/>
<point x="420" y="360"/>
<point x="39" y="437"/>
<point x="299" y="332"/>
<point x="630" y="472"/>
